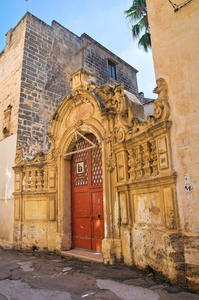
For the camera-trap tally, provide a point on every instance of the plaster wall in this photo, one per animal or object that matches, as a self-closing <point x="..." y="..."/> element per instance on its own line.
<point x="148" y="109"/>
<point x="175" y="52"/>
<point x="7" y="150"/>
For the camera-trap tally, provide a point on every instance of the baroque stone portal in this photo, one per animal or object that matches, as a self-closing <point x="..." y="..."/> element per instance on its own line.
<point x="141" y="223"/>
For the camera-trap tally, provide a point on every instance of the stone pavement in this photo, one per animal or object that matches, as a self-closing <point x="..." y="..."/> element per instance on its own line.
<point x="43" y="276"/>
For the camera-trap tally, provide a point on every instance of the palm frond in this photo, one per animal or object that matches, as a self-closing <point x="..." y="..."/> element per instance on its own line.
<point x="137" y="15"/>
<point x="145" y="41"/>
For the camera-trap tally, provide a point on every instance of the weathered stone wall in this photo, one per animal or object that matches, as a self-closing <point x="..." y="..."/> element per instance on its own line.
<point x="10" y="77"/>
<point x="95" y="58"/>
<point x="50" y="55"/>
<point x="175" y="52"/>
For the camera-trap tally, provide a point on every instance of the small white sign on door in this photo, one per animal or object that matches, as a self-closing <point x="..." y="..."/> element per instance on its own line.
<point x="80" y="167"/>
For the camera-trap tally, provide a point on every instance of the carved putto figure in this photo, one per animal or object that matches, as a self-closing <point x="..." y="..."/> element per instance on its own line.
<point x="161" y="89"/>
<point x="161" y="105"/>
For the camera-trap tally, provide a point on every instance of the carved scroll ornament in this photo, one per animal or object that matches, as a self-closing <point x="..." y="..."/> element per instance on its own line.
<point x="161" y="105"/>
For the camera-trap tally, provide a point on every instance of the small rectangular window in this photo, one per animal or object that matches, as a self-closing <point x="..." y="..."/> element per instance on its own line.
<point x="111" y="69"/>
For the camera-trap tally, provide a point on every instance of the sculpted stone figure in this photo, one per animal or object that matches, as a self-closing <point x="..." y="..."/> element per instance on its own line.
<point x="161" y="89"/>
<point x="161" y="105"/>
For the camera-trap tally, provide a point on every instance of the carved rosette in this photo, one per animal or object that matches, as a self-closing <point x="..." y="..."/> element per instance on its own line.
<point x="109" y="137"/>
<point x="111" y="163"/>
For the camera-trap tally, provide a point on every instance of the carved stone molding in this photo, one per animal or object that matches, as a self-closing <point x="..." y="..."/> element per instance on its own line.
<point x="109" y="137"/>
<point x="119" y="100"/>
<point x="131" y="163"/>
<point x="19" y="157"/>
<point x="146" y="159"/>
<point x="120" y="133"/>
<point x="139" y="161"/>
<point x="111" y="163"/>
<point x="154" y="158"/>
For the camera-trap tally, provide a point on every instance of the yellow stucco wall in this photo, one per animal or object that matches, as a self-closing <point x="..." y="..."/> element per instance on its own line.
<point x="175" y="49"/>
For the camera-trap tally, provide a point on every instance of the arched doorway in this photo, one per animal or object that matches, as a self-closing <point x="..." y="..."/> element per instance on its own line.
<point x="87" y="195"/>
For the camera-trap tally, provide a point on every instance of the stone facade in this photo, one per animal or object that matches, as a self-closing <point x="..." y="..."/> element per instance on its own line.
<point x="149" y="166"/>
<point x="50" y="55"/>
<point x="96" y="59"/>
<point x="175" y="52"/>
<point x="35" y="69"/>
<point x="10" y="73"/>
<point x="140" y="208"/>
<point x="42" y="57"/>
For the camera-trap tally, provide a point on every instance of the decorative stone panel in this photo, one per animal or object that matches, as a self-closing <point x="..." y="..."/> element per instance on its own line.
<point x="120" y="166"/>
<point x="148" y="208"/>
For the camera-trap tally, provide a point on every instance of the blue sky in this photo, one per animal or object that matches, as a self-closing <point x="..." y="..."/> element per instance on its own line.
<point x="103" y="20"/>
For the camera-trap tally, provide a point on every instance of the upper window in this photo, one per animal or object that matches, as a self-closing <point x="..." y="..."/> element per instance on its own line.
<point x="111" y="69"/>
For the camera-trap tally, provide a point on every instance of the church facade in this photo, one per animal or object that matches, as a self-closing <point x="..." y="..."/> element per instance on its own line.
<point x="86" y="169"/>
<point x="35" y="75"/>
<point x="106" y="184"/>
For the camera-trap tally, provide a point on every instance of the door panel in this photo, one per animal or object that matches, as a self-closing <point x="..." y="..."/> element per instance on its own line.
<point x="82" y="233"/>
<point x="97" y="203"/>
<point x="81" y="204"/>
<point x="87" y="197"/>
<point x="97" y="234"/>
<point x="97" y="219"/>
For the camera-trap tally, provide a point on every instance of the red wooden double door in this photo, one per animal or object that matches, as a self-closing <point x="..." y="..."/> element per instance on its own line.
<point x="87" y="196"/>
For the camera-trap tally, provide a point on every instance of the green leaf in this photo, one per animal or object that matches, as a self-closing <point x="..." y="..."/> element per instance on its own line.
<point x="137" y="15"/>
